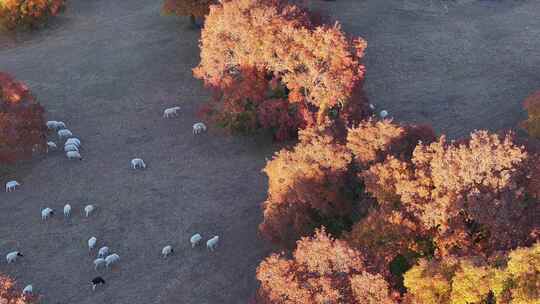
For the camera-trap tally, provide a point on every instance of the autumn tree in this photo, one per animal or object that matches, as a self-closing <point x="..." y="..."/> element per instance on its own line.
<point x="28" y="13"/>
<point x="306" y="187"/>
<point x="11" y="295"/>
<point x="474" y="194"/>
<point x="322" y="270"/>
<point x="22" y="125"/>
<point x="532" y="124"/>
<point x="265" y="59"/>
<point x="195" y="9"/>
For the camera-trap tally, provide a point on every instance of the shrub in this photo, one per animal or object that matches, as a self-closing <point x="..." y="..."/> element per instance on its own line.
<point x="475" y="194"/>
<point x="322" y="270"/>
<point x="532" y="124"/>
<point x="28" y="13"/>
<point x="266" y="58"/>
<point x="22" y="125"/>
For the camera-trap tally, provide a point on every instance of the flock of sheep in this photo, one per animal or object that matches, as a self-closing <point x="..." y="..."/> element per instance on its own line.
<point x="72" y="147"/>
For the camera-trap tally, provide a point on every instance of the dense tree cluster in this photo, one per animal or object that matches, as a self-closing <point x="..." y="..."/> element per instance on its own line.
<point x="22" y="124"/>
<point x="271" y="67"/>
<point x="28" y="13"/>
<point x="322" y="270"/>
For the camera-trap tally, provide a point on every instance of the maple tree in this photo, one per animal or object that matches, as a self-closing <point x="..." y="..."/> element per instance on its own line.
<point x="22" y="124"/>
<point x="195" y="9"/>
<point x="267" y="58"/>
<point x="10" y="295"/>
<point x="29" y="13"/>
<point x="322" y="270"/>
<point x="532" y="124"/>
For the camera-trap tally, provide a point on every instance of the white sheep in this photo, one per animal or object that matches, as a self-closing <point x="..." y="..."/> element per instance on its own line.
<point x="67" y="210"/>
<point x="103" y="252"/>
<point x="73" y="141"/>
<point x="92" y="243"/>
<point x="64" y="133"/>
<point x="99" y="262"/>
<point x="170" y="112"/>
<point x="28" y="290"/>
<point x="51" y="124"/>
<point x="73" y="155"/>
<point x="51" y="146"/>
<point x="166" y="251"/>
<point x="89" y="209"/>
<point x="383" y="114"/>
<point x="71" y="147"/>
<point x="111" y="259"/>
<point x="211" y="243"/>
<point x="12" y="185"/>
<point x="195" y="239"/>
<point x="199" y="128"/>
<point x="46" y="213"/>
<point x="12" y="256"/>
<point x="372" y="106"/>
<point x="60" y="125"/>
<point x="138" y="163"/>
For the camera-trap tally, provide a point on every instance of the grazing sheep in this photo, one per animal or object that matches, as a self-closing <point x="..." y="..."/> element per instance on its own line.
<point x="111" y="259"/>
<point x="166" y="251"/>
<point x="60" y="125"/>
<point x="64" y="133"/>
<point x="103" y="252"/>
<point x="383" y="114"/>
<point x="46" y="213"/>
<point x="211" y="243"/>
<point x="372" y="106"/>
<point x="52" y="124"/>
<point x="138" y="163"/>
<point x="51" y="146"/>
<point x="67" y="210"/>
<point x="12" y="185"/>
<point x="92" y="243"/>
<point x="89" y="209"/>
<point x="199" y="128"/>
<point x="73" y="141"/>
<point x="97" y="281"/>
<point x="12" y="256"/>
<point x="71" y="147"/>
<point x="28" y="290"/>
<point x="195" y="239"/>
<point x="73" y="155"/>
<point x="99" y="262"/>
<point x="170" y="112"/>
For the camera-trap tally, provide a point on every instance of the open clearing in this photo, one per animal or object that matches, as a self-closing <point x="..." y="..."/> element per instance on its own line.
<point x="109" y="68"/>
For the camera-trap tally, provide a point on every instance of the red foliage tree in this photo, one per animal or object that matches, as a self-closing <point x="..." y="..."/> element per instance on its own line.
<point x="532" y="124"/>
<point x="30" y="13"/>
<point x="257" y="52"/>
<point x="10" y="295"/>
<point x="322" y="270"/>
<point x="474" y="194"/>
<point x="22" y="125"/>
<point x="305" y="186"/>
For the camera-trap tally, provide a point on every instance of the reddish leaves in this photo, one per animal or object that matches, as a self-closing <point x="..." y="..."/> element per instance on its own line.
<point x="532" y="124"/>
<point x="22" y="126"/>
<point x="30" y="13"/>
<point x="271" y="44"/>
<point x="10" y="295"/>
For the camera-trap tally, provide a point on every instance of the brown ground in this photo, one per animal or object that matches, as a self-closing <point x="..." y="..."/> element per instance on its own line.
<point x="109" y="68"/>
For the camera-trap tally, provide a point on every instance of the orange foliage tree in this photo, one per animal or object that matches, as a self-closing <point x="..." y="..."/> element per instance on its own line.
<point x="474" y="194"/>
<point x="22" y="125"/>
<point x="267" y="58"/>
<point x="195" y="9"/>
<point x="532" y="124"/>
<point x="306" y="187"/>
<point x="29" y="13"/>
<point x="10" y="295"/>
<point x="322" y="270"/>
